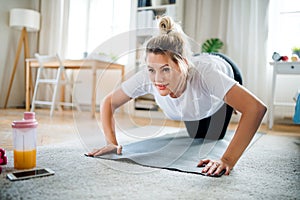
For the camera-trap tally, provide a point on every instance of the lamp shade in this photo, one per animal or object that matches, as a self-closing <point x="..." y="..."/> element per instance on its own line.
<point x="20" y="18"/>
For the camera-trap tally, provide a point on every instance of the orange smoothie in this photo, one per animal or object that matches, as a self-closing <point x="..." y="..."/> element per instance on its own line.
<point x="24" y="159"/>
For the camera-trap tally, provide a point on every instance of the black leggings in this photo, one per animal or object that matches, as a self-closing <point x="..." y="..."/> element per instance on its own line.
<point x="215" y="126"/>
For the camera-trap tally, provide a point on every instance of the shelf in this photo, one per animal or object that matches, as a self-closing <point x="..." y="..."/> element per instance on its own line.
<point x="145" y="104"/>
<point x="144" y="34"/>
<point x="144" y="21"/>
<point x="162" y="7"/>
<point x="284" y="104"/>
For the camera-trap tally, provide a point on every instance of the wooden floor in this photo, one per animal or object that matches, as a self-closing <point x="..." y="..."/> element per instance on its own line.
<point x="60" y="127"/>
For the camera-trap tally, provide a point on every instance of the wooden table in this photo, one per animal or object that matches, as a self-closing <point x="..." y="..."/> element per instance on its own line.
<point x="93" y="65"/>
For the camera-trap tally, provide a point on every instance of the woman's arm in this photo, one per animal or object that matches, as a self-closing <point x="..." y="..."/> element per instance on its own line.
<point x="110" y="103"/>
<point x="252" y="112"/>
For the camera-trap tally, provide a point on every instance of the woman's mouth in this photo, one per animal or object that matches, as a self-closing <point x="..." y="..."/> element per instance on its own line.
<point x="161" y="86"/>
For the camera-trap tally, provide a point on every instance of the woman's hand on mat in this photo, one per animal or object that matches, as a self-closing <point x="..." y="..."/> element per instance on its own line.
<point x="110" y="148"/>
<point x="214" y="168"/>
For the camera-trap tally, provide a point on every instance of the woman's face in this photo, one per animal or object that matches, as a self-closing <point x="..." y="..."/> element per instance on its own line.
<point x="164" y="74"/>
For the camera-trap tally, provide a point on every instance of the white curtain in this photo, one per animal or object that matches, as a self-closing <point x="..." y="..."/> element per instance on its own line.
<point x="53" y="36"/>
<point x="54" y="27"/>
<point x="242" y="26"/>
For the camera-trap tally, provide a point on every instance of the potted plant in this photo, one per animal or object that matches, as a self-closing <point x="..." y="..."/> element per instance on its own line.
<point x="296" y="50"/>
<point x="212" y="45"/>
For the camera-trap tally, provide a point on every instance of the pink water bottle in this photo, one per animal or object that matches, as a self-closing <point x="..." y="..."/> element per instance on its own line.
<point x="24" y="137"/>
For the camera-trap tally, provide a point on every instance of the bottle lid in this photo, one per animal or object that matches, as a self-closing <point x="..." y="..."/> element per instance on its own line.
<point x="29" y="115"/>
<point x="28" y="121"/>
<point x="24" y="124"/>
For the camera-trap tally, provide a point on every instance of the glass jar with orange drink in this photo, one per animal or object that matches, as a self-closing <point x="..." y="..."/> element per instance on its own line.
<point x="24" y="137"/>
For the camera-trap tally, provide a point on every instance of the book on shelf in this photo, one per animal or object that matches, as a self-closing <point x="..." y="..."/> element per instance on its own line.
<point x="144" y="3"/>
<point x="144" y="104"/>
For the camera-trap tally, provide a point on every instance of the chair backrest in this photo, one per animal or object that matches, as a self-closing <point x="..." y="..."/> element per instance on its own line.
<point x="48" y="58"/>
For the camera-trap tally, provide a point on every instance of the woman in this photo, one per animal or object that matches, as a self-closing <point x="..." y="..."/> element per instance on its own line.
<point x="191" y="89"/>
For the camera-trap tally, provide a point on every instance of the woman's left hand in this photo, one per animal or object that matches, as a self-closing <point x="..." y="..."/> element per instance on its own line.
<point x="214" y="168"/>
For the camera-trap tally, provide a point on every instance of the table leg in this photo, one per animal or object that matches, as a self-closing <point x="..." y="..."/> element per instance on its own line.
<point x="122" y="79"/>
<point x="93" y="109"/>
<point x="62" y="89"/>
<point x="28" y="78"/>
<point x="122" y="74"/>
<point x="271" y="112"/>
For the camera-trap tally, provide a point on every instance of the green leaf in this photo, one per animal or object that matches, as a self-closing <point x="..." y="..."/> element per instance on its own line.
<point x="212" y="45"/>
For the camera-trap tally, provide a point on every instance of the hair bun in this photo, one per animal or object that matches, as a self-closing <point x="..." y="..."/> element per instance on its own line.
<point x="166" y="24"/>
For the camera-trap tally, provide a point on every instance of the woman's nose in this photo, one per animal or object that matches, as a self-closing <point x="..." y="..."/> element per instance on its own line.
<point x="159" y="77"/>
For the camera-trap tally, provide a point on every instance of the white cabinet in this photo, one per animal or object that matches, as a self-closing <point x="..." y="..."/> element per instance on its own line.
<point x="281" y="68"/>
<point x="145" y="23"/>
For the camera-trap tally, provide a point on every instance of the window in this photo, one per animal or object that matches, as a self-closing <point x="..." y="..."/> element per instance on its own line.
<point x="284" y="26"/>
<point x="91" y="22"/>
<point x="284" y="34"/>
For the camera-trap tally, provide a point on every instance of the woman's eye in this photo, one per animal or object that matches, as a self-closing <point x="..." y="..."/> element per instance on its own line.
<point x="150" y="70"/>
<point x="166" y="69"/>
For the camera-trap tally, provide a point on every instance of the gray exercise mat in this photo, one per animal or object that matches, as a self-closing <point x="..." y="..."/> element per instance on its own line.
<point x="174" y="151"/>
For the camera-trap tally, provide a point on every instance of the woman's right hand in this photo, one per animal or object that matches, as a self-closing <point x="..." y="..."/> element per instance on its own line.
<point x="110" y="148"/>
<point x="110" y="103"/>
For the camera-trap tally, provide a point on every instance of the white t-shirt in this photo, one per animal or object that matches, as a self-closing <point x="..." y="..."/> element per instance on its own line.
<point x="207" y="84"/>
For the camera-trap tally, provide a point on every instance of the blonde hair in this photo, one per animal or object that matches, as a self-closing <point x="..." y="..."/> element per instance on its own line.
<point x="172" y="42"/>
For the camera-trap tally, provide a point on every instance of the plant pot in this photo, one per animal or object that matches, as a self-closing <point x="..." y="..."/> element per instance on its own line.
<point x="297" y="53"/>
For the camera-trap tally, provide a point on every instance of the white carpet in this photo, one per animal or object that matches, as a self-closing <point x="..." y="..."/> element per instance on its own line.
<point x="269" y="170"/>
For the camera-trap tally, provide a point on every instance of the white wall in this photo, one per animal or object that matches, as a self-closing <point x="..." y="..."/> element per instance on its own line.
<point x="9" y="41"/>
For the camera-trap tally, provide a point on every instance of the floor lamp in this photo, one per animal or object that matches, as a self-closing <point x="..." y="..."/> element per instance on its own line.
<point x="27" y="21"/>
